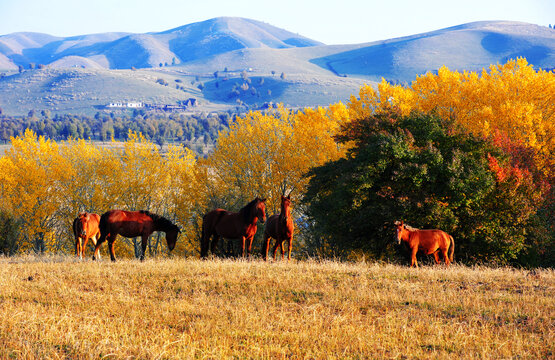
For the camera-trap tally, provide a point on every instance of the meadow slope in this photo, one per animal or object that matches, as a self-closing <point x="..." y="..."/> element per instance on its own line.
<point x="57" y="307"/>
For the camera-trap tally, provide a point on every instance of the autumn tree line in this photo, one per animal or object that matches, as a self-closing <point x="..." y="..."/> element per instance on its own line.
<point x="159" y="128"/>
<point x="470" y="153"/>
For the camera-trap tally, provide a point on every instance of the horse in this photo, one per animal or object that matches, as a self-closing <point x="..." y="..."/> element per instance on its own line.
<point x="134" y="223"/>
<point x="85" y="227"/>
<point x="220" y="223"/>
<point x="279" y="227"/>
<point x="426" y="241"/>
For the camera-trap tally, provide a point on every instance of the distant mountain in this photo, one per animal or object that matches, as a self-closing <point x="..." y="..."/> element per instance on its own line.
<point x="124" y="51"/>
<point x="471" y="47"/>
<point x="229" y="62"/>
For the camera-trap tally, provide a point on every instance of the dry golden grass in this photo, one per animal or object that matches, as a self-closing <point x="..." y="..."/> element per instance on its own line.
<point x="57" y="307"/>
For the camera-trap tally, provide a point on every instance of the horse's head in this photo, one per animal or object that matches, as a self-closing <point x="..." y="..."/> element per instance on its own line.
<point x="286" y="206"/>
<point x="400" y="231"/>
<point x="260" y="210"/>
<point x="171" y="236"/>
<point x="83" y="219"/>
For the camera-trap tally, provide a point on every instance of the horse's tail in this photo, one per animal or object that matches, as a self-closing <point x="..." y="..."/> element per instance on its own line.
<point x="103" y="227"/>
<point x="76" y="231"/>
<point x="205" y="238"/>
<point x="451" y="249"/>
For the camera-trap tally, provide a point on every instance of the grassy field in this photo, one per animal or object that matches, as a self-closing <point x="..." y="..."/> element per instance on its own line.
<point x="60" y="308"/>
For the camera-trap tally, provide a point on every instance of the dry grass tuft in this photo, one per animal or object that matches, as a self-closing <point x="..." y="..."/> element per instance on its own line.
<point x="57" y="307"/>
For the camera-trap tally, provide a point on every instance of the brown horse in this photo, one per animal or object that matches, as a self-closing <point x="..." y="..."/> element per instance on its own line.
<point x="426" y="241"/>
<point x="220" y="223"/>
<point x="279" y="227"/>
<point x="134" y="223"/>
<point x="85" y="227"/>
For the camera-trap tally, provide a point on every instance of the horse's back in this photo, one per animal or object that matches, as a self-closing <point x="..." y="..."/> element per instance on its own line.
<point x="211" y="218"/>
<point x="432" y="239"/>
<point x="271" y="229"/>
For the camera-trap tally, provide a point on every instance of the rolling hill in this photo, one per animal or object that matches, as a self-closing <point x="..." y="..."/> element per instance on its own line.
<point x="208" y="61"/>
<point x="124" y="51"/>
<point x="470" y="47"/>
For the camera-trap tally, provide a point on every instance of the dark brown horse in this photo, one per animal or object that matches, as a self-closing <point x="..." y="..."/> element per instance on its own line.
<point x="220" y="223"/>
<point x="426" y="241"/>
<point x="134" y="223"/>
<point x="85" y="227"/>
<point x="279" y="227"/>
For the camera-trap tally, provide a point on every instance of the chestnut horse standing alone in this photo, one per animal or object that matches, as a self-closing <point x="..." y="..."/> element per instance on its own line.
<point x="426" y="241"/>
<point x="220" y="223"/>
<point x="279" y="227"/>
<point x="85" y="227"/>
<point x="131" y="224"/>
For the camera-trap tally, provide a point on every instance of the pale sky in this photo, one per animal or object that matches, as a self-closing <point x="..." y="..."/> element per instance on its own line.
<point x="331" y="22"/>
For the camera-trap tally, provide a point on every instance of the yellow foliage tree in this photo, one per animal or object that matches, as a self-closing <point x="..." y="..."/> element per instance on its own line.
<point x="45" y="185"/>
<point x="268" y="155"/>
<point x="33" y="172"/>
<point x="512" y="98"/>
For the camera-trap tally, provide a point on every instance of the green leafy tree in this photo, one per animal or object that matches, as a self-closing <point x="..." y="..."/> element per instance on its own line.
<point x="417" y="169"/>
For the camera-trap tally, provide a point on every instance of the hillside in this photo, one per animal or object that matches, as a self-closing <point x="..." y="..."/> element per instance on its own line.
<point x="123" y="50"/>
<point x="206" y="61"/>
<point x="86" y="91"/>
<point x="470" y="47"/>
<point x="57" y="307"/>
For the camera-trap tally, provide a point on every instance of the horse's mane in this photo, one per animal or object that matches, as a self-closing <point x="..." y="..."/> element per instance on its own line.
<point x="407" y="226"/>
<point x="247" y="209"/>
<point x="160" y="221"/>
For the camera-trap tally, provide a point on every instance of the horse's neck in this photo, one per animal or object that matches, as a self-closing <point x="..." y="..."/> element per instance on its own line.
<point x="409" y="235"/>
<point x="284" y="215"/>
<point x="158" y="226"/>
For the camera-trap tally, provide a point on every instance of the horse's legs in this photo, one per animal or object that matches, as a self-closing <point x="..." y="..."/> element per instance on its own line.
<point x="249" y="245"/>
<point x="111" y="241"/>
<point x="274" y="250"/>
<point x="282" y="249"/>
<point x="445" y="256"/>
<point x="204" y="242"/>
<point x="436" y="256"/>
<point x="266" y="245"/>
<point x="84" y="246"/>
<point x="214" y="244"/>
<point x="413" y="257"/>
<point x="289" y="248"/>
<point x="78" y="247"/>
<point x="94" y="240"/>
<point x="96" y="254"/>
<point x="144" y="242"/>
<point x="243" y="239"/>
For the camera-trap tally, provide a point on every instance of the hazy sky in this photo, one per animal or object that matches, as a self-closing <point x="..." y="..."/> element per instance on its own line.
<point x="331" y="22"/>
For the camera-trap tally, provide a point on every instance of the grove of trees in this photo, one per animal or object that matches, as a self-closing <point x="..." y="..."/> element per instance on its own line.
<point x="469" y="153"/>
<point x="170" y="128"/>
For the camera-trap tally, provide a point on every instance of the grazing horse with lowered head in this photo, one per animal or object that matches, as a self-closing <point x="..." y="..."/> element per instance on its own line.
<point x="134" y="223"/>
<point x="279" y="227"/>
<point x="426" y="241"/>
<point x="220" y="223"/>
<point x="85" y="227"/>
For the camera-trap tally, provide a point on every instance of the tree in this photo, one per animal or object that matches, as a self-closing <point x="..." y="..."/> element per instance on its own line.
<point x="269" y="154"/>
<point x="415" y="168"/>
<point x="512" y="98"/>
